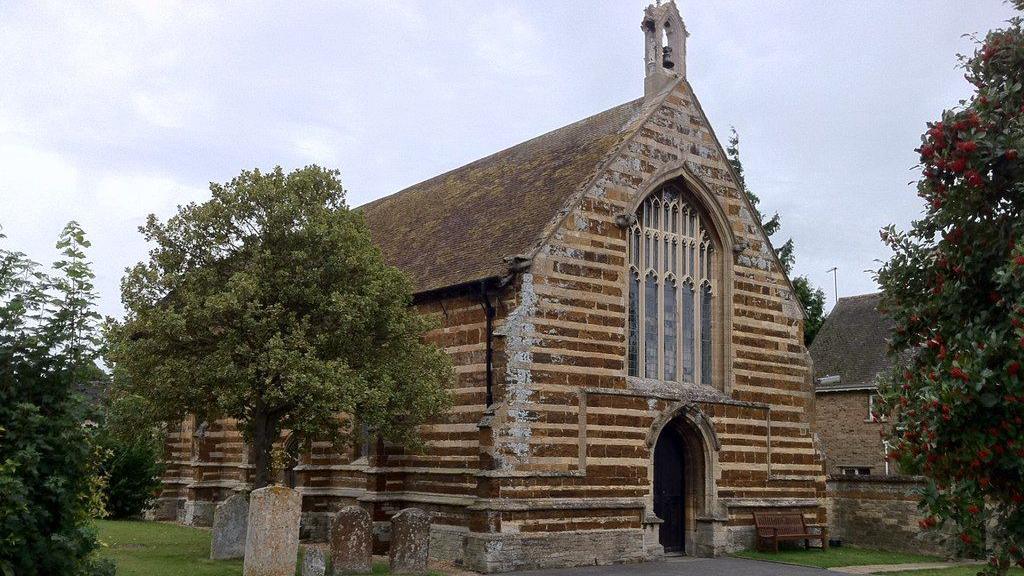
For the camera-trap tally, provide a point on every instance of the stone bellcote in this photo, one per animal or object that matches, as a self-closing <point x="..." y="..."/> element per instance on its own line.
<point x="664" y="46"/>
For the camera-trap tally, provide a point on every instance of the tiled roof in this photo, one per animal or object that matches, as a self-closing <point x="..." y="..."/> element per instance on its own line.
<point x="460" y="226"/>
<point x="852" y="344"/>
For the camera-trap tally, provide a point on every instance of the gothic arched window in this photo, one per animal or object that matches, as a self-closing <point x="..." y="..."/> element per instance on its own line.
<point x="671" y="290"/>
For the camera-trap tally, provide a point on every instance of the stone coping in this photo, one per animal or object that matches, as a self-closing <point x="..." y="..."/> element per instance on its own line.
<point x="674" y="391"/>
<point x="877" y="479"/>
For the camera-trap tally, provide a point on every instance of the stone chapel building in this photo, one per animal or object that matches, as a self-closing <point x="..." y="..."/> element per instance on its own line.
<point x="631" y="375"/>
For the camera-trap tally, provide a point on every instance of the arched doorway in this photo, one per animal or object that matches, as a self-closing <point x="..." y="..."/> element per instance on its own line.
<point x="290" y="453"/>
<point x="669" y="490"/>
<point x="678" y="484"/>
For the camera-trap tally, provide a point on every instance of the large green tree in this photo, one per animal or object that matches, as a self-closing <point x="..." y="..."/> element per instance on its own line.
<point x="49" y="486"/>
<point x="955" y="288"/>
<point x="270" y="305"/>
<point x="811" y="298"/>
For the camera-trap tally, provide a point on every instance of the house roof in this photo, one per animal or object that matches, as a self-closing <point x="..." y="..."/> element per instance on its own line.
<point x="852" y="344"/>
<point x="460" y="226"/>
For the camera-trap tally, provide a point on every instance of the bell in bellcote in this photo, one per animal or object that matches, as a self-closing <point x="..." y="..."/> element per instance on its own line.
<point x="666" y="58"/>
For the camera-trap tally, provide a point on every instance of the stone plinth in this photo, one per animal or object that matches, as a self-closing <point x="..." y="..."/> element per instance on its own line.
<point x="351" y="541"/>
<point x="410" y="541"/>
<point x="272" y="541"/>
<point x="230" y="523"/>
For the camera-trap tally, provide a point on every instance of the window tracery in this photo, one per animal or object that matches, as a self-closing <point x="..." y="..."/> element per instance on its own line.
<point x="671" y="290"/>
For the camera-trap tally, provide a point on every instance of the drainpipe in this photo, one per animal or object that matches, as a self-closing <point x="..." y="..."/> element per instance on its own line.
<point x="489" y="311"/>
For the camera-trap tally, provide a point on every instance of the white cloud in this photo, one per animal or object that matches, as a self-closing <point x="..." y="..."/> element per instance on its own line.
<point x="35" y="186"/>
<point x="506" y="41"/>
<point x="320" y="145"/>
<point x="173" y="108"/>
<point x="132" y="197"/>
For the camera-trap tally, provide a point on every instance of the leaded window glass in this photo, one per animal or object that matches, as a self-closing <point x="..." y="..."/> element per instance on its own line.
<point x="651" y="326"/>
<point x="634" y="331"/>
<point x="705" y="333"/>
<point x="671" y="320"/>
<point x="671" y="290"/>
<point x="688" y="332"/>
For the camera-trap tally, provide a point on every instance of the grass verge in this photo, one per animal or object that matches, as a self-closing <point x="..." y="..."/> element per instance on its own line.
<point x="162" y="549"/>
<point x="159" y="549"/>
<point x="833" y="557"/>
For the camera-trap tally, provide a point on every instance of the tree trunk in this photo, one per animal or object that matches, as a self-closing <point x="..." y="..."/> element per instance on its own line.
<point x="264" y="432"/>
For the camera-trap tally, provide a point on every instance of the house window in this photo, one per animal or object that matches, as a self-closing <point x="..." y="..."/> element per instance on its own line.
<point x="672" y="261"/>
<point x="855" y="470"/>
<point x="872" y="404"/>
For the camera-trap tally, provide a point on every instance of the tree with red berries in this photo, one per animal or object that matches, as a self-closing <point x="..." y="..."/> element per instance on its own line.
<point x="955" y="289"/>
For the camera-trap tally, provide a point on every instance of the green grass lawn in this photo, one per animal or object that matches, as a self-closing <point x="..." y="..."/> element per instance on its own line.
<point x="844" y="556"/>
<point x="159" y="549"/>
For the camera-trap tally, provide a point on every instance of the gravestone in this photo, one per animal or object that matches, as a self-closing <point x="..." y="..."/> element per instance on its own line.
<point x="351" y="541"/>
<point x="230" y="523"/>
<point x="272" y="540"/>
<point x="410" y="541"/>
<point x="314" y="563"/>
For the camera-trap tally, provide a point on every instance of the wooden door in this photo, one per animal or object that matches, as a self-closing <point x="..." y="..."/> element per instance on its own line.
<point x="669" y="501"/>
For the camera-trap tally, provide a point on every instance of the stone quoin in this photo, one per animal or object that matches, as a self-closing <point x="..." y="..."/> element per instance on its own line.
<point x="631" y="374"/>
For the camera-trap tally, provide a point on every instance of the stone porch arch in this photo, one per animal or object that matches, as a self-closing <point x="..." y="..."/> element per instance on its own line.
<point x="704" y="525"/>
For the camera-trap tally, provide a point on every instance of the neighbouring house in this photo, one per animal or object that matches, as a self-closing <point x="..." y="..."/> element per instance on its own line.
<point x="870" y="504"/>
<point x="849" y="355"/>
<point x="631" y="374"/>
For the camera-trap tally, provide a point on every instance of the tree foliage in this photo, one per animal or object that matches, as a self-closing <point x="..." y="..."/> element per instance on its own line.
<point x="811" y="298"/>
<point x="270" y="305"/>
<point x="49" y="488"/>
<point x="955" y="288"/>
<point x="132" y="450"/>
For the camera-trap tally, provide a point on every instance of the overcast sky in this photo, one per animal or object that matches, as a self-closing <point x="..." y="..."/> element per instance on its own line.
<point x="110" y="111"/>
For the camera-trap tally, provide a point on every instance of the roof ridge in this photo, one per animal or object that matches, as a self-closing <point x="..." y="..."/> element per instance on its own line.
<point x="861" y="296"/>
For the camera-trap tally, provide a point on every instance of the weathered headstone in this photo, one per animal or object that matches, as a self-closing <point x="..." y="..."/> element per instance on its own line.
<point x="230" y="523"/>
<point x="351" y="541"/>
<point x="314" y="563"/>
<point x="410" y="541"/>
<point x="272" y="539"/>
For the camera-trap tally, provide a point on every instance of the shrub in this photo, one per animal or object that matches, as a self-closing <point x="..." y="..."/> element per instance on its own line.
<point x="132" y="470"/>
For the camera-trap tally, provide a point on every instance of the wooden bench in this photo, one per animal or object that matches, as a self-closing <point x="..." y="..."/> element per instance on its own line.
<point x="773" y="527"/>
